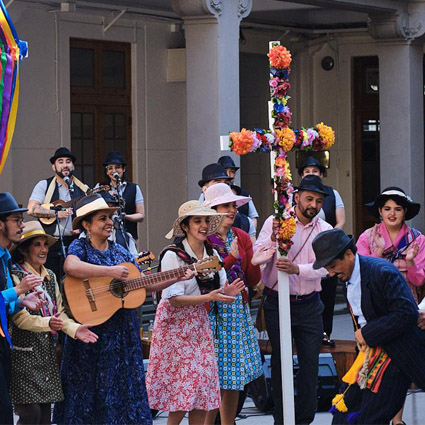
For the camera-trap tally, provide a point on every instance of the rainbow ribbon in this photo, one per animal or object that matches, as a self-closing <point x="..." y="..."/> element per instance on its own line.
<point x="12" y="50"/>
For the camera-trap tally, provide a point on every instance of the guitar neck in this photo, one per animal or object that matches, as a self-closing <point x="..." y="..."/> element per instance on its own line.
<point x="160" y="277"/>
<point x="70" y="203"/>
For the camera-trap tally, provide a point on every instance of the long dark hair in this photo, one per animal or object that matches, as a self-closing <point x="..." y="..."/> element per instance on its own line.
<point x="19" y="253"/>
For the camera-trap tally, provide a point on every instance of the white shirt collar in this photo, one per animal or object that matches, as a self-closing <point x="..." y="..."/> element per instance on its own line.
<point x="355" y="275"/>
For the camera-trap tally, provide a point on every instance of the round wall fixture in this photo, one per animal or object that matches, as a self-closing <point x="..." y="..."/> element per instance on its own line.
<point x="328" y="63"/>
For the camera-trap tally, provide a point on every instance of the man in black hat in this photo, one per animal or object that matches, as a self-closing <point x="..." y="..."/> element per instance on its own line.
<point x="134" y="210"/>
<point x="306" y="307"/>
<point x="62" y="186"/>
<point x="248" y="209"/>
<point x="213" y="174"/>
<point x="11" y="301"/>
<point x="385" y="316"/>
<point x="333" y="212"/>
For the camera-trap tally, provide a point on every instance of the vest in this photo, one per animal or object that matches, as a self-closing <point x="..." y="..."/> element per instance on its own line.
<point x="329" y="206"/>
<point x="244" y="209"/>
<point x="241" y="222"/>
<point x="129" y="196"/>
<point x="50" y="229"/>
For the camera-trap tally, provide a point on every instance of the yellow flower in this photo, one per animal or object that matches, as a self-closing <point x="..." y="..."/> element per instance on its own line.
<point x="286" y="138"/>
<point x="327" y="135"/>
<point x="287" y="228"/>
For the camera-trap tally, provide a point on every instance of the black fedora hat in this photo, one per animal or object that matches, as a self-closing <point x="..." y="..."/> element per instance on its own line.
<point x="8" y="205"/>
<point x="312" y="183"/>
<point x="114" y="158"/>
<point x="399" y="196"/>
<point x="311" y="161"/>
<point x="213" y="172"/>
<point x="62" y="153"/>
<point x="227" y="162"/>
<point x="328" y="245"/>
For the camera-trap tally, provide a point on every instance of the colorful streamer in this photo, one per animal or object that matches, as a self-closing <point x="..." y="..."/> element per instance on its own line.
<point x="12" y="51"/>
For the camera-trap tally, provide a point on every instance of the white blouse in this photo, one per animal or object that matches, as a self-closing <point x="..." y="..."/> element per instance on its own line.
<point x="186" y="287"/>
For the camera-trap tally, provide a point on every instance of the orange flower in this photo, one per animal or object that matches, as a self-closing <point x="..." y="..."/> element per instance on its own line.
<point x="286" y="138"/>
<point x="280" y="161"/>
<point x="241" y="142"/>
<point x="280" y="57"/>
<point x="287" y="228"/>
<point x="327" y="135"/>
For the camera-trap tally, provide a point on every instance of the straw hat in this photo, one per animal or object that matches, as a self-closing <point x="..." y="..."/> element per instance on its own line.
<point x="88" y="205"/>
<point x="221" y="193"/>
<point x="33" y="229"/>
<point x="195" y="208"/>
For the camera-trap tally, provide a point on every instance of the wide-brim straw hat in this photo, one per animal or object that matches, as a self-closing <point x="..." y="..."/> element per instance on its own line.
<point x="221" y="193"/>
<point x="88" y="205"/>
<point x="195" y="208"/>
<point x="33" y="229"/>
<point x="394" y="192"/>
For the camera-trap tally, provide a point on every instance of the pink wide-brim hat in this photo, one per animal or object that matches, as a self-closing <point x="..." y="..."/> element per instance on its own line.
<point x="221" y="193"/>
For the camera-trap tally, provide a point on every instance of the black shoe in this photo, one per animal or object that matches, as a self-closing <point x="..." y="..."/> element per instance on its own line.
<point x="327" y="341"/>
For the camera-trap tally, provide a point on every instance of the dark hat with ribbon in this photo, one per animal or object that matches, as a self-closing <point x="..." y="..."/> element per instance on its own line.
<point x="399" y="196"/>
<point x="312" y="183"/>
<point x="213" y="172"/>
<point x="8" y="205"/>
<point x="227" y="162"/>
<point x="114" y="158"/>
<point x="62" y="153"/>
<point x="311" y="161"/>
<point x="328" y="245"/>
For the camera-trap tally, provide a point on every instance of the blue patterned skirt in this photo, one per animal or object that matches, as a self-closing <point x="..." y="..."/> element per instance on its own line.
<point x="235" y="344"/>
<point x="104" y="382"/>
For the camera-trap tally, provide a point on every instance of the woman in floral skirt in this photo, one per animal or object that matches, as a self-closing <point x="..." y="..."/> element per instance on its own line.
<point x="182" y="374"/>
<point x="235" y="342"/>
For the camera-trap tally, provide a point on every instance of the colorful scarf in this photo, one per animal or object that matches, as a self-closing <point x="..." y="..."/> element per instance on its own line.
<point x="393" y="253"/>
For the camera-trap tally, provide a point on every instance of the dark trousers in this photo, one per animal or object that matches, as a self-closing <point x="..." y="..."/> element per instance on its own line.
<point x="376" y="408"/>
<point x="327" y="295"/>
<point x="6" y="409"/>
<point x="307" y="333"/>
<point x="34" y="413"/>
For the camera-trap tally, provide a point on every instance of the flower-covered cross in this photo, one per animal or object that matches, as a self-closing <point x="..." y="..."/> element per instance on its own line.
<point x="282" y="139"/>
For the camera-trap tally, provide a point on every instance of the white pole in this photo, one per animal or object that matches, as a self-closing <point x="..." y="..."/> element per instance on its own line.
<point x="286" y="360"/>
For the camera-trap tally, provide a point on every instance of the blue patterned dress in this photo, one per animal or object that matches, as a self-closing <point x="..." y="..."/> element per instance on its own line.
<point x="104" y="382"/>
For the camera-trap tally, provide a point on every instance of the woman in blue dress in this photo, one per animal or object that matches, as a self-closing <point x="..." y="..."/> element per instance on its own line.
<point x="103" y="383"/>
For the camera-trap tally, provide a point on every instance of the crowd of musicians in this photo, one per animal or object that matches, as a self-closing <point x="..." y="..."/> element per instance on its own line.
<point x="204" y="347"/>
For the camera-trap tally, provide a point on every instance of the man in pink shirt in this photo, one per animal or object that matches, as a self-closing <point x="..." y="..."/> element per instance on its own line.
<point x="306" y="307"/>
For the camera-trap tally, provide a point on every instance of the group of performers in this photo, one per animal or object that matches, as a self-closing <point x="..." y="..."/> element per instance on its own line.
<point x="204" y="348"/>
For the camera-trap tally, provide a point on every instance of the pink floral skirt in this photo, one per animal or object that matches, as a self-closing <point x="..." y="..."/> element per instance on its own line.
<point x="182" y="372"/>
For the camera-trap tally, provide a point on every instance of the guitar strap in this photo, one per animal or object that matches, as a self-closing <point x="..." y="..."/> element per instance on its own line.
<point x="52" y="187"/>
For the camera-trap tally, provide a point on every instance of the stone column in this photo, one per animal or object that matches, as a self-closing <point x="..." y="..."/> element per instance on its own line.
<point x="212" y="78"/>
<point x="401" y="96"/>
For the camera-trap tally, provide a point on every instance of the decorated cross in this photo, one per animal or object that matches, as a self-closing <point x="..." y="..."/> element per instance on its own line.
<point x="281" y="139"/>
<point x="278" y="141"/>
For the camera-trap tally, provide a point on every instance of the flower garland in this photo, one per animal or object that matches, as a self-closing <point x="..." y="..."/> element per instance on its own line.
<point x="282" y="140"/>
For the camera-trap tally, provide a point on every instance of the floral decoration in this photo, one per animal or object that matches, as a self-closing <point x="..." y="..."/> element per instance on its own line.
<point x="282" y="139"/>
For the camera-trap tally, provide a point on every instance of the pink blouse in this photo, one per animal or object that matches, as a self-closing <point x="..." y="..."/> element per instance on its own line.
<point x="414" y="275"/>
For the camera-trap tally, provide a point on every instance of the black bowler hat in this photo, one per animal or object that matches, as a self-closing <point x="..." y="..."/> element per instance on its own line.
<point x="213" y="172"/>
<point x="312" y="183"/>
<point x="114" y="158"/>
<point x="63" y="153"/>
<point x="399" y="196"/>
<point x="311" y="162"/>
<point x="227" y="162"/>
<point x="8" y="205"/>
<point x="328" y="245"/>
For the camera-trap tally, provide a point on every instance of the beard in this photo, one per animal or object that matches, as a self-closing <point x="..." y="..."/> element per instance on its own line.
<point x="59" y="173"/>
<point x="309" y="213"/>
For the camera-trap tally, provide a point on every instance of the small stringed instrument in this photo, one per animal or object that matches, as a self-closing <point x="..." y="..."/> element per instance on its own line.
<point x="94" y="300"/>
<point x="65" y="204"/>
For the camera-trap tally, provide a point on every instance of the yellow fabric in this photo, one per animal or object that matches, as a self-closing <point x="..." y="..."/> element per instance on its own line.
<point x="351" y="376"/>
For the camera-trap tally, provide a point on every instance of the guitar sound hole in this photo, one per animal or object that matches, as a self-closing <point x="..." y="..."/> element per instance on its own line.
<point x="117" y="289"/>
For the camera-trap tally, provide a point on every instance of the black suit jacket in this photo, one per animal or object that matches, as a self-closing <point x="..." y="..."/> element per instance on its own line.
<point x="391" y="313"/>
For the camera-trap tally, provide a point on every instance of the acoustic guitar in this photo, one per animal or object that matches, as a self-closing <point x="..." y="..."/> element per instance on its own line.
<point x="65" y="204"/>
<point x="96" y="299"/>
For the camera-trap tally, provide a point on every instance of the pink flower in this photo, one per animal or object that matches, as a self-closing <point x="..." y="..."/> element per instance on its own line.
<point x="280" y="172"/>
<point x="274" y="82"/>
<point x="256" y="142"/>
